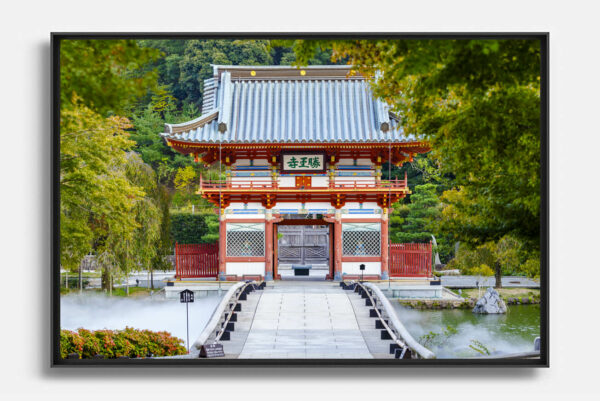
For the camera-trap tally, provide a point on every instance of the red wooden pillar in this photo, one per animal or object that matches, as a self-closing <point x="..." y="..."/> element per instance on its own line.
<point x="177" y="273"/>
<point x="385" y="246"/>
<point x="337" y="247"/>
<point x="269" y="249"/>
<point x="222" y="248"/>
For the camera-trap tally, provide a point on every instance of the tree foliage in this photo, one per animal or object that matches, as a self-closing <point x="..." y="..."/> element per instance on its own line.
<point x="478" y="103"/>
<point x="422" y="213"/>
<point x="106" y="75"/>
<point x="108" y="195"/>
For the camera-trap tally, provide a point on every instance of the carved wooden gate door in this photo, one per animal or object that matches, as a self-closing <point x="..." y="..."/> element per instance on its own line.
<point x="303" y="245"/>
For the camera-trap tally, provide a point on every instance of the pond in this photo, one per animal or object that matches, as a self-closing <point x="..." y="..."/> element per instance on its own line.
<point x="499" y="334"/>
<point x="94" y="312"/>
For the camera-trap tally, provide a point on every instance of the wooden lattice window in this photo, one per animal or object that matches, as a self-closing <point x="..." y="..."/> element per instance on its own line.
<point x="361" y="239"/>
<point x="245" y="239"/>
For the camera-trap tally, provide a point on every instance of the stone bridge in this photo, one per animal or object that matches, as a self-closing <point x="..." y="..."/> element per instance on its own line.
<point x="308" y="320"/>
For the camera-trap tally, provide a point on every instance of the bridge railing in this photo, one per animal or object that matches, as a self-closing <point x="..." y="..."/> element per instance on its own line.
<point x="226" y="306"/>
<point x="398" y="333"/>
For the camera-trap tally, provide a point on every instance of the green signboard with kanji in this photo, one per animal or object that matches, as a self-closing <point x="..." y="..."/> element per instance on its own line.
<point x="303" y="162"/>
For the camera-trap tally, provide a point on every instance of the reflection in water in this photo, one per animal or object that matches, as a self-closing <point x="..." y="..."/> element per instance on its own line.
<point x="501" y="334"/>
<point x="94" y="312"/>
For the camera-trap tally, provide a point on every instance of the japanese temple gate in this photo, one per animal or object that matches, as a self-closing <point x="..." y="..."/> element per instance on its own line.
<point x="301" y="149"/>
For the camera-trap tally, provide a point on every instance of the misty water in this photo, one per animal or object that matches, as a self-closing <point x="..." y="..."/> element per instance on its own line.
<point x="94" y="312"/>
<point x="507" y="333"/>
<point x="500" y="334"/>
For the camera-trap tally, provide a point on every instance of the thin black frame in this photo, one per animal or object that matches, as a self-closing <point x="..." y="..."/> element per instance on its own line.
<point x="543" y="361"/>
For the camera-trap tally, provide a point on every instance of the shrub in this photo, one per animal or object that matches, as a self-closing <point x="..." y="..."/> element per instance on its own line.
<point x="513" y="257"/>
<point x="188" y="228"/>
<point x="531" y="267"/>
<point x="115" y="343"/>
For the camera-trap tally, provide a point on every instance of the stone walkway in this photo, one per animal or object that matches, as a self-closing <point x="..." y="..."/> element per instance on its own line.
<point x="296" y="320"/>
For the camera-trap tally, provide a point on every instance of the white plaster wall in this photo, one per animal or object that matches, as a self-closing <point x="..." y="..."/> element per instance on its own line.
<point x="246" y="162"/>
<point x="258" y="179"/>
<point x="320" y="181"/>
<point x="230" y="217"/>
<point x="360" y="162"/>
<point x="308" y="205"/>
<point x="354" y="267"/>
<point x="240" y="205"/>
<point x="366" y="205"/>
<point x="285" y="181"/>
<point x="354" y="178"/>
<point x="347" y="216"/>
<point x="241" y="268"/>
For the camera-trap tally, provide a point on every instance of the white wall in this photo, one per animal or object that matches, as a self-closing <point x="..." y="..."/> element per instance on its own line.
<point x="241" y="268"/>
<point x="360" y="162"/>
<point x="246" y="162"/>
<point x="307" y="205"/>
<point x="354" y="267"/>
<point x="25" y="373"/>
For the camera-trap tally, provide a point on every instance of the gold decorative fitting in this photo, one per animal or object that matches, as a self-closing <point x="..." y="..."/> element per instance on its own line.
<point x="302" y="72"/>
<point x="253" y="73"/>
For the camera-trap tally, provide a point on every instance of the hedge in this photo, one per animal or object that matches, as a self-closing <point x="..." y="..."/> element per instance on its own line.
<point x="188" y="228"/>
<point x="115" y="343"/>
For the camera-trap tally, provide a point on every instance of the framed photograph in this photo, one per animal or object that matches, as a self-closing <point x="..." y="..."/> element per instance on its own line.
<point x="292" y="199"/>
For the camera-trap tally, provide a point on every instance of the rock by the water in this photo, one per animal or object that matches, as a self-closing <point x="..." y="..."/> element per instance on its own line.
<point x="490" y="302"/>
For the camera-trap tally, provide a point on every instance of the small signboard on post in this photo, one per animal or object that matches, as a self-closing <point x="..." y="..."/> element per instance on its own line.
<point x="186" y="296"/>
<point x="212" y="351"/>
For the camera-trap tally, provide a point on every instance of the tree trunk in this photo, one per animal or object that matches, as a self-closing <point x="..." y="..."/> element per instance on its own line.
<point x="152" y="278"/>
<point x="105" y="279"/>
<point x="498" y="269"/>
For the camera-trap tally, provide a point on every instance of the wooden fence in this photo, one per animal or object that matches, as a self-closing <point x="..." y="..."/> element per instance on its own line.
<point x="196" y="260"/>
<point x="410" y="260"/>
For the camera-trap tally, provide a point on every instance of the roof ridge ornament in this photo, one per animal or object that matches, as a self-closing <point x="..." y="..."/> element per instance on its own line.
<point x="225" y="101"/>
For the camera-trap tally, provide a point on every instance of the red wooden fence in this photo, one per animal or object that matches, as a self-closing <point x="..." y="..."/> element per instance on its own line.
<point x="196" y="260"/>
<point x="410" y="260"/>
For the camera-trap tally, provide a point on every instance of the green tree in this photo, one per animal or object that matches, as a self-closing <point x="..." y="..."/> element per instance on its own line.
<point x="106" y="76"/>
<point x="212" y="228"/>
<point x="103" y="195"/>
<point x="478" y="103"/>
<point x="497" y="258"/>
<point x="424" y="210"/>
<point x="95" y="192"/>
<point x="185" y="179"/>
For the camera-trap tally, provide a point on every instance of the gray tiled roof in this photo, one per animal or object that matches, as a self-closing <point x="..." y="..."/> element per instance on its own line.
<point x="284" y="109"/>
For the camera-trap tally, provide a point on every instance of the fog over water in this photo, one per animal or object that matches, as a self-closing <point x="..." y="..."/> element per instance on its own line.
<point x="507" y="333"/>
<point x="501" y="334"/>
<point x="96" y="312"/>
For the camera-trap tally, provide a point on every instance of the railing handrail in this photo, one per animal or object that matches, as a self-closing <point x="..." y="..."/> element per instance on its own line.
<point x="267" y="183"/>
<point x="231" y="309"/>
<point x="216" y="315"/>
<point x="405" y="339"/>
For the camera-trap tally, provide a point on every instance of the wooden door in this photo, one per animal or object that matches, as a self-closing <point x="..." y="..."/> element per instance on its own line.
<point x="303" y="182"/>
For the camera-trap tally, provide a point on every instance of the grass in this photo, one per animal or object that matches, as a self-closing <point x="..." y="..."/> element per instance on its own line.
<point x="134" y="292"/>
<point x="504" y="292"/>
